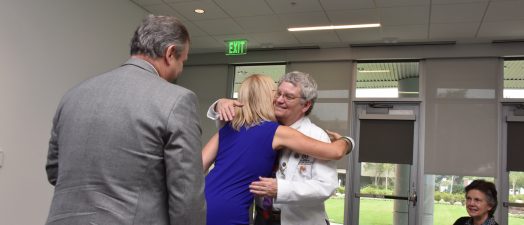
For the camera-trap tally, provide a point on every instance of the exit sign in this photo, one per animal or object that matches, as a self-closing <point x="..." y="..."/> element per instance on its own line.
<point x="236" y="47"/>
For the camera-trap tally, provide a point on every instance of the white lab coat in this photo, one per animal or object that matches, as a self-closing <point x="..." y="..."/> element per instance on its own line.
<point x="306" y="182"/>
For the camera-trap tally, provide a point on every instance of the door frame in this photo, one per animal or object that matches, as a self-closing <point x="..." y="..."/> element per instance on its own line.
<point x="351" y="215"/>
<point x="503" y="176"/>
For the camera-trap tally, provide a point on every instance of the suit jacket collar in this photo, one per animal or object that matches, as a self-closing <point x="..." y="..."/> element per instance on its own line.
<point x="145" y="65"/>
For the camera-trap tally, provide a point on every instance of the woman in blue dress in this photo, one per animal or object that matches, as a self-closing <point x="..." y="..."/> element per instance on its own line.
<point x="246" y="148"/>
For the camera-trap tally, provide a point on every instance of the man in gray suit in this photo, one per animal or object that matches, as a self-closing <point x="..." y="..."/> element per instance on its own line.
<point x="125" y="146"/>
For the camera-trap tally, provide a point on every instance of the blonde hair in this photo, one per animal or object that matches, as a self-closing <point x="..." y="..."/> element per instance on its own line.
<point x="256" y="93"/>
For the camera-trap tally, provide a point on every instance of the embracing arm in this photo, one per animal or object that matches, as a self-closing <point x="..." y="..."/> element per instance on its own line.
<point x="222" y="110"/>
<point x="320" y="187"/>
<point x="312" y="191"/>
<point x="209" y="153"/>
<point x="286" y="137"/>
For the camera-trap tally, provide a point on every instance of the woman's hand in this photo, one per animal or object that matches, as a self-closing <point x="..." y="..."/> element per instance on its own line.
<point x="226" y="108"/>
<point x="333" y="135"/>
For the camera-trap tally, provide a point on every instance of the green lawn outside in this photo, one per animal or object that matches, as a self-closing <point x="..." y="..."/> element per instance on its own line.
<point x="335" y="209"/>
<point x="380" y="212"/>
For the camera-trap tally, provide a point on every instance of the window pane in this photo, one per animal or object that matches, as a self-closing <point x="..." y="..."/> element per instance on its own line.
<point x="513" y="78"/>
<point x="444" y="201"/>
<point x="516" y="195"/>
<point x="515" y="146"/>
<point x="241" y="72"/>
<point x="384" y="179"/>
<point x="378" y="138"/>
<point x="387" y="80"/>
<point x="461" y="116"/>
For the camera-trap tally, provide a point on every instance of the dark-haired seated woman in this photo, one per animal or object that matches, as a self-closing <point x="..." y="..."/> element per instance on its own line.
<point x="481" y="203"/>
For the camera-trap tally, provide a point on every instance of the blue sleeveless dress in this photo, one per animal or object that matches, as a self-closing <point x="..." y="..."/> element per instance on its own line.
<point x="242" y="157"/>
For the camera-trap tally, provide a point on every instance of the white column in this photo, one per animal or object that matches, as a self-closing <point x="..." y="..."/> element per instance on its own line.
<point x="428" y="200"/>
<point x="400" y="207"/>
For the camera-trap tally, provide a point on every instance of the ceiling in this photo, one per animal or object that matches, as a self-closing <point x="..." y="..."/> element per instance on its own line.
<point x="264" y="23"/>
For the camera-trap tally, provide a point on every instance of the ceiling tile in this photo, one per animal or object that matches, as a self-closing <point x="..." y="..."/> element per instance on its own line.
<point x="261" y="24"/>
<point x="450" y="13"/>
<point x="413" y="15"/>
<point x="504" y="10"/>
<point x="358" y="16"/>
<point x="453" y="31"/>
<point x="219" y="26"/>
<point x="406" y="32"/>
<point x="171" y="1"/>
<point x="436" y="2"/>
<point x="276" y="39"/>
<point x="193" y="30"/>
<point x="187" y="10"/>
<point x="264" y="22"/>
<point x="251" y="40"/>
<point x="204" y="42"/>
<point x="287" y="6"/>
<point x="365" y="35"/>
<point x="238" y="8"/>
<point x="396" y="3"/>
<point x="148" y="2"/>
<point x="344" y="5"/>
<point x="308" y="37"/>
<point x="506" y="29"/>
<point x="304" y="19"/>
<point x="164" y="9"/>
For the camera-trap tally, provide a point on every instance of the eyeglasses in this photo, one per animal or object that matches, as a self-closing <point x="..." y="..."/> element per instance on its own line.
<point x="287" y="97"/>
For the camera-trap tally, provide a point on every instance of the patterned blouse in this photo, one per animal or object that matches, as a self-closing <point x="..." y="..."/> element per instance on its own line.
<point x="469" y="221"/>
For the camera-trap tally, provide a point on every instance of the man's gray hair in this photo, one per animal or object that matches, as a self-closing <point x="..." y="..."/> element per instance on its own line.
<point x="156" y="34"/>
<point x="306" y="83"/>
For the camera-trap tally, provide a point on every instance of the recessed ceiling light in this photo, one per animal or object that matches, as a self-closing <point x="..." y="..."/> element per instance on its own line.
<point x="200" y="11"/>
<point x="331" y="27"/>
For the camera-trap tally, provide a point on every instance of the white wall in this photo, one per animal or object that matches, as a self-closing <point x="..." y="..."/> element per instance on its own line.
<point x="46" y="47"/>
<point x="209" y="83"/>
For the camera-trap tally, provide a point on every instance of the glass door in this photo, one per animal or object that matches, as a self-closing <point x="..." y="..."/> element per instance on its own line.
<point x="384" y="167"/>
<point x="513" y="174"/>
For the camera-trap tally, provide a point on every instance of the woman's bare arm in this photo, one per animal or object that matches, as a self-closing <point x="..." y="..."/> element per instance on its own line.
<point x="209" y="153"/>
<point x="286" y="137"/>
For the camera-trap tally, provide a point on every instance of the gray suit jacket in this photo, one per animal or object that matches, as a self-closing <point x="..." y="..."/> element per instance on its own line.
<point x="125" y="149"/>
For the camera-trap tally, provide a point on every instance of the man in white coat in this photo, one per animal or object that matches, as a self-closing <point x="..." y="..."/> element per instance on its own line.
<point x="302" y="182"/>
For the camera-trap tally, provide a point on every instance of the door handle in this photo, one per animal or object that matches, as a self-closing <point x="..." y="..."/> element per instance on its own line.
<point x="359" y="195"/>
<point x="413" y="198"/>
<point x="512" y="204"/>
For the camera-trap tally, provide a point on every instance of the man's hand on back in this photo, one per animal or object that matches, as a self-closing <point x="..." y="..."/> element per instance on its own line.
<point x="264" y="187"/>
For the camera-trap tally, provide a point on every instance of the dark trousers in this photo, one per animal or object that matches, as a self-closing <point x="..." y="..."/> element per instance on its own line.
<point x="266" y="218"/>
<point x="272" y="219"/>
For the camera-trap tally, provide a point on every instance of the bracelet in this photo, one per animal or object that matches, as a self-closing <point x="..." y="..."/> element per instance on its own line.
<point x="349" y="141"/>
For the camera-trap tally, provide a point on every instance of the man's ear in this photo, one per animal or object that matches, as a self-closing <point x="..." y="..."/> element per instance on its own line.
<point x="306" y="107"/>
<point x="170" y="53"/>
